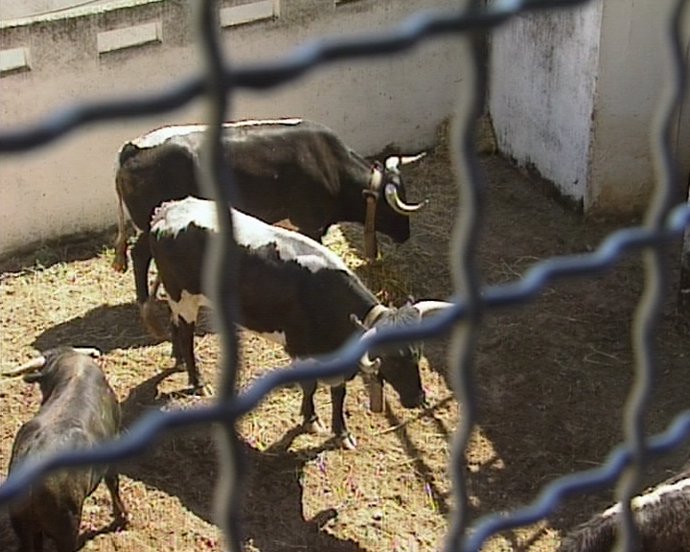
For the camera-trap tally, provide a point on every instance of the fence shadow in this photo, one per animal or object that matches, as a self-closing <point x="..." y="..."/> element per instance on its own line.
<point x="184" y="465"/>
<point x="551" y="377"/>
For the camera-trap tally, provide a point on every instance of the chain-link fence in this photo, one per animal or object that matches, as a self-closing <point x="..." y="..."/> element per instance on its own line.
<point x="663" y="222"/>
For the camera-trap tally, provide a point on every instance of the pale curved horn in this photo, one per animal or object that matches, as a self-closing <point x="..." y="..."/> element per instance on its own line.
<point x="407" y="159"/>
<point x="398" y="205"/>
<point x="31" y="366"/>
<point x="367" y="365"/>
<point x="93" y="352"/>
<point x="430" y="307"/>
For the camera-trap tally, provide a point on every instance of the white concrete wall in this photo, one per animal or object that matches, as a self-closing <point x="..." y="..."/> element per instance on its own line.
<point x="13" y="9"/>
<point x="68" y="186"/>
<point x="543" y="76"/>
<point x="633" y="65"/>
<point x="573" y="94"/>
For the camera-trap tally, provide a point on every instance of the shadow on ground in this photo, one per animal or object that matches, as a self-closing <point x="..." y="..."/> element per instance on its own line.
<point x="184" y="465"/>
<point x="107" y="327"/>
<point x="550" y="377"/>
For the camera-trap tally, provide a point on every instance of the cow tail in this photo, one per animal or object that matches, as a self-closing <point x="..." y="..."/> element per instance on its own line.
<point x="120" y="261"/>
<point x="127" y="152"/>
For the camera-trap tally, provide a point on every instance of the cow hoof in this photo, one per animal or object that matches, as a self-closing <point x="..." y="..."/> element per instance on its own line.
<point x="315" y="427"/>
<point x="347" y="442"/>
<point x="119" y="265"/>
<point x="122" y="521"/>
<point x="202" y="390"/>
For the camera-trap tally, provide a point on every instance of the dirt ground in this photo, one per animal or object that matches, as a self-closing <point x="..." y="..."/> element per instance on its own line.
<point x="551" y="380"/>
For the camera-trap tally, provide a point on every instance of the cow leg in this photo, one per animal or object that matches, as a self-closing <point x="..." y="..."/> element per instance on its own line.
<point x="38" y="541"/>
<point x="185" y="350"/>
<point x="120" y="513"/>
<point x="30" y="539"/>
<point x="66" y="530"/>
<point x="310" y="420"/>
<point x="338" y="417"/>
<point x="175" y="351"/>
<point x="141" y="261"/>
<point x="316" y="235"/>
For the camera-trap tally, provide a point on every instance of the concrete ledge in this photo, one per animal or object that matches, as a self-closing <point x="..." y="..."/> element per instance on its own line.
<point x="13" y="60"/>
<point x="129" y="37"/>
<point x="248" y="13"/>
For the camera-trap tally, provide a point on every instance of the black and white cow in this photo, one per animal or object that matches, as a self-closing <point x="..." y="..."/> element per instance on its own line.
<point x="79" y="409"/>
<point x="661" y="515"/>
<point x="291" y="289"/>
<point x="285" y="170"/>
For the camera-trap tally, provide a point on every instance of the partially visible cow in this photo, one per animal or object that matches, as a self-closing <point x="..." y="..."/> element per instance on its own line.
<point x="286" y="169"/>
<point x="291" y="289"/>
<point x="661" y="515"/>
<point x="79" y="409"/>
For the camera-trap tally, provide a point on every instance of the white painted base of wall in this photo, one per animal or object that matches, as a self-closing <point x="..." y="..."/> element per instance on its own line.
<point x="68" y="187"/>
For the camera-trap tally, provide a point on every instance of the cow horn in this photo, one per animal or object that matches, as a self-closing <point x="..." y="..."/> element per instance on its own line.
<point x="398" y="205"/>
<point x="31" y="366"/>
<point x="367" y="365"/>
<point x="93" y="352"/>
<point x="430" y="307"/>
<point x="407" y="159"/>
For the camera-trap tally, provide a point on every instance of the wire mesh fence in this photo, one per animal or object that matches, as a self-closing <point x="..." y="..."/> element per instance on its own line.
<point x="663" y="222"/>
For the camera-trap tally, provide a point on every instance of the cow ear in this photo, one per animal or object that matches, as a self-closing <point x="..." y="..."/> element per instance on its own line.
<point x="357" y="322"/>
<point x="392" y="163"/>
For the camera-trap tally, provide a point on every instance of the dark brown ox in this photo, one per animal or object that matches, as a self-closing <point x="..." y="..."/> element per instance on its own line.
<point x="79" y="409"/>
<point x="290" y="170"/>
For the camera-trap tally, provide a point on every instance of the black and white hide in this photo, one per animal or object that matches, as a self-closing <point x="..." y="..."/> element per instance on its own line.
<point x="662" y="517"/>
<point x="291" y="289"/>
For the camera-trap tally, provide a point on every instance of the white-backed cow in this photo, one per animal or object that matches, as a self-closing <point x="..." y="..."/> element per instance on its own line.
<point x="78" y="410"/>
<point x="290" y="288"/>
<point x="662" y="517"/>
<point x="285" y="170"/>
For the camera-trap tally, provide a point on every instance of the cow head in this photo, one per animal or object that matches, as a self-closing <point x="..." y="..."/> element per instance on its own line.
<point x="50" y="367"/>
<point x="398" y="364"/>
<point x="392" y="216"/>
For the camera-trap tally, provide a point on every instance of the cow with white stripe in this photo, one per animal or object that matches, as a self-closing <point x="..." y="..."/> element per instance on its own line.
<point x="291" y="289"/>
<point x="290" y="170"/>
<point x="661" y="516"/>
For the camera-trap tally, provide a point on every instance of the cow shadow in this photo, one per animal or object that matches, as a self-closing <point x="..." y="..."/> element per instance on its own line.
<point x="184" y="464"/>
<point x="107" y="327"/>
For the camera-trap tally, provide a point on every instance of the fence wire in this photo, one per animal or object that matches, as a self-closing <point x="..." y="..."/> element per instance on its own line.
<point x="663" y="222"/>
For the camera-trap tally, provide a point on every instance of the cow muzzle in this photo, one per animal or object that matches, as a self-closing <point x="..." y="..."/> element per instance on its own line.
<point x="414" y="401"/>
